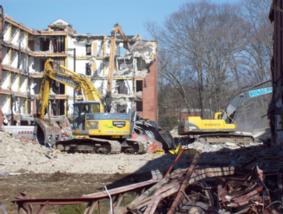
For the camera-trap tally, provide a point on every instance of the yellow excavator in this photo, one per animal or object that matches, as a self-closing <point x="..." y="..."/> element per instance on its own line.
<point x="93" y="130"/>
<point x="223" y="128"/>
<point x="91" y="127"/>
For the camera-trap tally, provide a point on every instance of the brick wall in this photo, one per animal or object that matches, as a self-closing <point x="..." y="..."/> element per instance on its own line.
<point x="149" y="95"/>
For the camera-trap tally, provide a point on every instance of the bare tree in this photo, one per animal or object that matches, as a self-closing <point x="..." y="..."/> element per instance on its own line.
<point x="258" y="51"/>
<point x="208" y="51"/>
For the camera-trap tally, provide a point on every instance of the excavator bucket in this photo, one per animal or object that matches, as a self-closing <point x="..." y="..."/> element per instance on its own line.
<point x="152" y="130"/>
<point x="53" y="129"/>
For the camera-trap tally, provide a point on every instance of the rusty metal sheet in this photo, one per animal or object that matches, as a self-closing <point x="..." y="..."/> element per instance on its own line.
<point x="24" y="203"/>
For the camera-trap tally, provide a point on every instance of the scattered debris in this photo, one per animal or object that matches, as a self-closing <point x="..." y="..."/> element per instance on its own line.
<point x="30" y="157"/>
<point x="251" y="187"/>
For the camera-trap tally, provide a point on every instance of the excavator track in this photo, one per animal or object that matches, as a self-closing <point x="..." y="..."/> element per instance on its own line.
<point x="101" y="146"/>
<point x="134" y="147"/>
<point x="236" y="138"/>
<point x="89" y="145"/>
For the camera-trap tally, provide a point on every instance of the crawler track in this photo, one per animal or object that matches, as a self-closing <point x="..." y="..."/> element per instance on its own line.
<point x="237" y="138"/>
<point x="100" y="145"/>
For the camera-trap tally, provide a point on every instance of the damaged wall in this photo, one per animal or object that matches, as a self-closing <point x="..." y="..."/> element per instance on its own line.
<point x="25" y="51"/>
<point x="136" y="64"/>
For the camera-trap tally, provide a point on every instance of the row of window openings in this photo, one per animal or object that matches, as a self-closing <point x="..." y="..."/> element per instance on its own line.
<point x="13" y="32"/>
<point x="120" y="83"/>
<point x="88" y="50"/>
<point x="123" y="108"/>
<point x="121" y="66"/>
<point x="123" y="89"/>
<point x="24" y="60"/>
<point x="56" y="43"/>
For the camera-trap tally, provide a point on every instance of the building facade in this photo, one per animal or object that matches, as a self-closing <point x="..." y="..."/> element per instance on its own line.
<point x="24" y="51"/>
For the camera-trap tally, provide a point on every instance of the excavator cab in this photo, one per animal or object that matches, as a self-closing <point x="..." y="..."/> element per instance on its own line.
<point x="89" y="121"/>
<point x="81" y="110"/>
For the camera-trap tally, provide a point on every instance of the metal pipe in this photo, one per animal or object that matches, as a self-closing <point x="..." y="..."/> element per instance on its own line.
<point x="179" y="155"/>
<point x="110" y="200"/>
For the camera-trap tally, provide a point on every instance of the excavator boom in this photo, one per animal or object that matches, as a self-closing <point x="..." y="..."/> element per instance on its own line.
<point x="67" y="77"/>
<point x="117" y="30"/>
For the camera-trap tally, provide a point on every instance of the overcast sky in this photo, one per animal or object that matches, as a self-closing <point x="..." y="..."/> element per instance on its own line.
<point x="95" y="16"/>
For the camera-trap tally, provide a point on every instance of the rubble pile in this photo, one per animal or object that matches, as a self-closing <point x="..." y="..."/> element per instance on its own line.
<point x="249" y="186"/>
<point x="17" y="156"/>
<point x="221" y="190"/>
<point x="243" y="180"/>
<point x="214" y="147"/>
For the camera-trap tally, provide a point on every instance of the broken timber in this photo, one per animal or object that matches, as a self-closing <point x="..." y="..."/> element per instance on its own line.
<point x="199" y="189"/>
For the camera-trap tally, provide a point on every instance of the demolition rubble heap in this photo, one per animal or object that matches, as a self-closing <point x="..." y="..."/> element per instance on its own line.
<point x="248" y="187"/>
<point x="18" y="157"/>
<point x="250" y="183"/>
<point x="216" y="178"/>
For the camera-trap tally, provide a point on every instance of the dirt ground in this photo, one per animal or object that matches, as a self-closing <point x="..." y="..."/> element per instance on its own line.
<point x="47" y="173"/>
<point x="51" y="185"/>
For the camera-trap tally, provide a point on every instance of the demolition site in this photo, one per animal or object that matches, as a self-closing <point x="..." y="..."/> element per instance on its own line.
<point x="117" y="123"/>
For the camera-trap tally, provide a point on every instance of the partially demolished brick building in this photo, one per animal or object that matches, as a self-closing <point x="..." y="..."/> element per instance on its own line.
<point x="24" y="51"/>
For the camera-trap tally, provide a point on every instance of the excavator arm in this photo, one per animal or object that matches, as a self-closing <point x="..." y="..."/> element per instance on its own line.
<point x="113" y="49"/>
<point x="44" y="97"/>
<point x="67" y="77"/>
<point x="260" y="89"/>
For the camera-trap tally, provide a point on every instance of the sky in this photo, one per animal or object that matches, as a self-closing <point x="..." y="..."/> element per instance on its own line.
<point x="95" y="16"/>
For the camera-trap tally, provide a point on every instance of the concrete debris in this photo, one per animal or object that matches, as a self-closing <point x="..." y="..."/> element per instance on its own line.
<point x="144" y="49"/>
<point x="209" y="147"/>
<point x="17" y="156"/>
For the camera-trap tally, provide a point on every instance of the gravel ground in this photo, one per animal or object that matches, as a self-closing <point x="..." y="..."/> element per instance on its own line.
<point x="29" y="157"/>
<point x="25" y="157"/>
